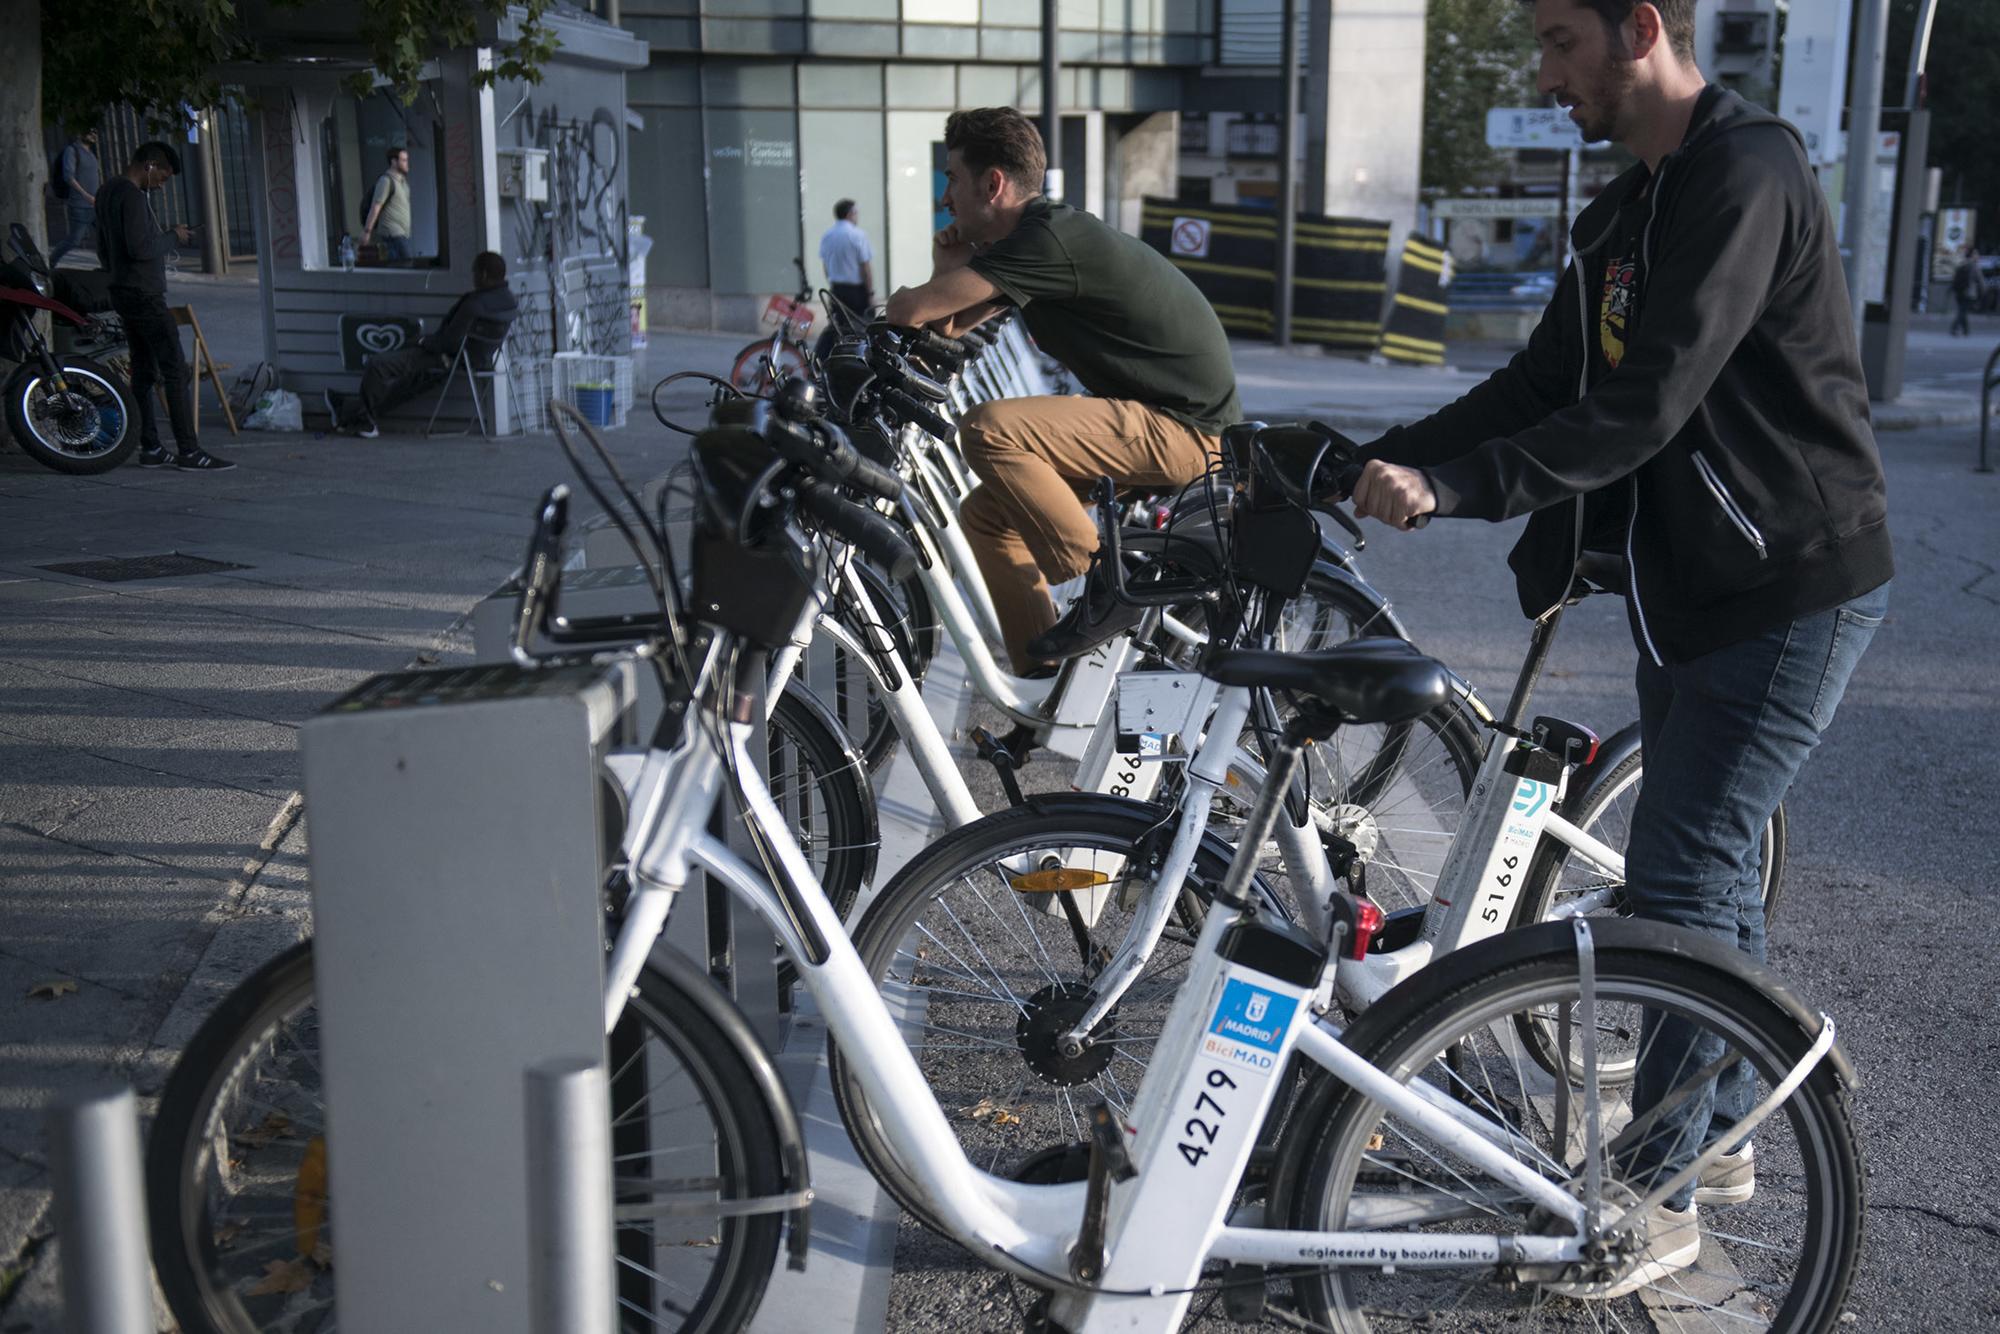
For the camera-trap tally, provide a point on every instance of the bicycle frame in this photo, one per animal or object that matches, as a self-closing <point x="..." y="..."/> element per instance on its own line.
<point x="1228" y="1038"/>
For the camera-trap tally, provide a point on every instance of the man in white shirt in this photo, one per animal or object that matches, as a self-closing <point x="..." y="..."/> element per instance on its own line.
<point x="847" y="257"/>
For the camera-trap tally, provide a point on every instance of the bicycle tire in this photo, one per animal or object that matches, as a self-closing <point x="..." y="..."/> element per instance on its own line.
<point x="819" y="780"/>
<point x="190" y="1248"/>
<point x="1601" y="807"/>
<point x="748" y="371"/>
<point x="846" y="687"/>
<point x="1338" y="1139"/>
<point x="1397" y="792"/>
<point x="986" y="1115"/>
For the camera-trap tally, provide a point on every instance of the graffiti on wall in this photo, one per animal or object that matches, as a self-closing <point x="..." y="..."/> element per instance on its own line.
<point x="580" y="234"/>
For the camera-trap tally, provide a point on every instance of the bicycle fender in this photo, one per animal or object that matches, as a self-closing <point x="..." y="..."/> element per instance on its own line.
<point x="1311" y="1109"/>
<point x="716" y="1008"/>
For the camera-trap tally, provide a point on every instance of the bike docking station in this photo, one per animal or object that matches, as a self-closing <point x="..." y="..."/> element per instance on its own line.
<point x="457" y="855"/>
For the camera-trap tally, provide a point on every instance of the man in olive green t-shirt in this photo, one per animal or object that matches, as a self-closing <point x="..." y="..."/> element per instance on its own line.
<point x="1126" y="323"/>
<point x="389" y="207"/>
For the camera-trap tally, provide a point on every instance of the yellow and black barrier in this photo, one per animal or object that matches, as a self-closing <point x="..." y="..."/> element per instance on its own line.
<point x="1231" y="253"/>
<point x="1414" y="331"/>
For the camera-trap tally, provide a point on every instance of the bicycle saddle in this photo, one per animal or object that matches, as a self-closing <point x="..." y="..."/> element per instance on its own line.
<point x="1362" y="681"/>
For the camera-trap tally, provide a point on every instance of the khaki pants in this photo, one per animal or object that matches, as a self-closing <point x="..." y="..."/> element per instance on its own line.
<point x="1036" y="458"/>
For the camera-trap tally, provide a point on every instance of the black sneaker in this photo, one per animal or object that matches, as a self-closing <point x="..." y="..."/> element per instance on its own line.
<point x="1097" y="616"/>
<point x="154" y="458"/>
<point x="199" y="460"/>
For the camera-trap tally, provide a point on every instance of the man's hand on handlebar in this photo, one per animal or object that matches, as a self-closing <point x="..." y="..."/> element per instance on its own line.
<point x="1393" y="494"/>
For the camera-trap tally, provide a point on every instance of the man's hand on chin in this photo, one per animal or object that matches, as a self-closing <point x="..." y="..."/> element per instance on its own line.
<point x="1393" y="494"/>
<point x="949" y="250"/>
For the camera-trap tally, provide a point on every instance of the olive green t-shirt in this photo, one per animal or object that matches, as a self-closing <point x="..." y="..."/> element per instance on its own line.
<point x="392" y="192"/>
<point x="1111" y="309"/>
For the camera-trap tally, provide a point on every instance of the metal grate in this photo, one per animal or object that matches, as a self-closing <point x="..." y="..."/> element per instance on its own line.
<point x="124" y="569"/>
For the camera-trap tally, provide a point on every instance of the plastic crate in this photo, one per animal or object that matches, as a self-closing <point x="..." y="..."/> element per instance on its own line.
<point x="598" y="387"/>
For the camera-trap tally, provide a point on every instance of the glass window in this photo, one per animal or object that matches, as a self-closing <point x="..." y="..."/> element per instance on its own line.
<point x="382" y="166"/>
<point x="753" y="180"/>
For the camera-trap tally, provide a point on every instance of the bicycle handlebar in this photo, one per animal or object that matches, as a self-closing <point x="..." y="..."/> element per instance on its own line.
<point x="912" y="411"/>
<point x="874" y="536"/>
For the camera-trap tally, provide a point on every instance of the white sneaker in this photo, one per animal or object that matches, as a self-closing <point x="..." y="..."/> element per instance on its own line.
<point x="1730" y="1179"/>
<point x="1671" y="1243"/>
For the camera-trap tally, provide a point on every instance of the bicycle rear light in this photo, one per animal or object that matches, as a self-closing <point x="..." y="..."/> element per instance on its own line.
<point x="1368" y="920"/>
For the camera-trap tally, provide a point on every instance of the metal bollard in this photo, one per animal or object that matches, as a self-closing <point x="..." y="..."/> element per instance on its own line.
<point x="571" y="1279"/>
<point x="100" y="1200"/>
<point x="1986" y="385"/>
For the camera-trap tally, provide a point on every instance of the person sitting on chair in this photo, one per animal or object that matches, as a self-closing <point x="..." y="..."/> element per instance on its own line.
<point x="392" y="378"/>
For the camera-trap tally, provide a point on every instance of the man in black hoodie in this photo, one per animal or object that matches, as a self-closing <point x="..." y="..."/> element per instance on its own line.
<point x="392" y="378"/>
<point x="1692" y="400"/>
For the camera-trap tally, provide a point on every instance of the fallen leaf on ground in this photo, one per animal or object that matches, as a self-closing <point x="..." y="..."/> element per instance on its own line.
<point x="286" y="1276"/>
<point x="989" y="1110"/>
<point x="51" y="990"/>
<point x="261" y="1134"/>
<point x="309" y="1197"/>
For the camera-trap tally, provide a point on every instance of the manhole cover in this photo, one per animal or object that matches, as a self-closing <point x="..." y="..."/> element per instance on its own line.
<point x="126" y="568"/>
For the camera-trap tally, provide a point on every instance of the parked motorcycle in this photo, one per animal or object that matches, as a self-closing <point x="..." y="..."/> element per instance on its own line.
<point x="68" y="412"/>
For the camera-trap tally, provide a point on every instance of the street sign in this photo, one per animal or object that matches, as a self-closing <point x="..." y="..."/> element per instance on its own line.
<point x="1190" y="238"/>
<point x="1533" y="127"/>
<point x="1812" y="85"/>
<point x="1547" y="206"/>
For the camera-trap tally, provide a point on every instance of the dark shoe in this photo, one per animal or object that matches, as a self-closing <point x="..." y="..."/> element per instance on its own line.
<point x="1097" y="616"/>
<point x="154" y="458"/>
<point x="197" y="460"/>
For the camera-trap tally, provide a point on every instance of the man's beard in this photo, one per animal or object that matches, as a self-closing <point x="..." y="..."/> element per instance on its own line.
<point x="1604" y="100"/>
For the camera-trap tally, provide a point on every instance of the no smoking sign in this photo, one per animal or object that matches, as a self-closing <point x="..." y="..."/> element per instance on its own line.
<point x="1190" y="238"/>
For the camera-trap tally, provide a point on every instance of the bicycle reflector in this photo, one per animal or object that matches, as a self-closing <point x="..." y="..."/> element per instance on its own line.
<point x="1364" y="919"/>
<point x="1058" y="880"/>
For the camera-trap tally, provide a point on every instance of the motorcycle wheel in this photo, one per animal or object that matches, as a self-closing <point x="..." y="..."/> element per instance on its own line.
<point x="91" y="427"/>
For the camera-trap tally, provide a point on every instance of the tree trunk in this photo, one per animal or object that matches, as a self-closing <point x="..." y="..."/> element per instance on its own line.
<point x="23" y="168"/>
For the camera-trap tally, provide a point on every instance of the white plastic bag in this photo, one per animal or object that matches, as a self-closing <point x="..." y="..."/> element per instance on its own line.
<point x="277" y="410"/>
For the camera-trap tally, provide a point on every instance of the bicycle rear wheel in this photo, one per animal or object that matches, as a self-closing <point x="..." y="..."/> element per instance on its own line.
<point x="1780" y="1259"/>
<point x="244" y="1234"/>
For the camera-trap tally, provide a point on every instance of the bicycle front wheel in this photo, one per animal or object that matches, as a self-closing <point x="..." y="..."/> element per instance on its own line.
<point x="1780" y="1259"/>
<point x="245" y="1233"/>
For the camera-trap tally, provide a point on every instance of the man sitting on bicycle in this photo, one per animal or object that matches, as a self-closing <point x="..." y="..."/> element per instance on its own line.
<point x="1132" y="329"/>
<point x="1694" y="393"/>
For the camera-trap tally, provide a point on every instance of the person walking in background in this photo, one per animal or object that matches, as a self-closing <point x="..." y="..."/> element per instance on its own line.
<point x="396" y="377"/>
<point x="848" y="259"/>
<point x="1967" y="286"/>
<point x="389" y="207"/>
<point x="133" y="246"/>
<point x="75" y="181"/>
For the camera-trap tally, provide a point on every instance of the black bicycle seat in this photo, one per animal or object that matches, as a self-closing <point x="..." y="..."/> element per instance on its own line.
<point x="1362" y="681"/>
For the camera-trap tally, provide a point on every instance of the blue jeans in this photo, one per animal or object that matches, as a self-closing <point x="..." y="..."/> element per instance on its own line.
<point x="1723" y="736"/>
<point x="82" y="217"/>
<point x="395" y="247"/>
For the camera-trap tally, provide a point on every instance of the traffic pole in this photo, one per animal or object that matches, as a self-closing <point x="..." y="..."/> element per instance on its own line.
<point x="1288" y="176"/>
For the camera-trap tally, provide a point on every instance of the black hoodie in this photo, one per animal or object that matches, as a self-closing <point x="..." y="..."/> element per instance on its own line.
<point x="1732" y="437"/>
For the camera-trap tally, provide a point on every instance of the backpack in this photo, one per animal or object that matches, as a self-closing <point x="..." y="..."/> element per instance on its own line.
<point x="368" y="200"/>
<point x="58" y="178"/>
